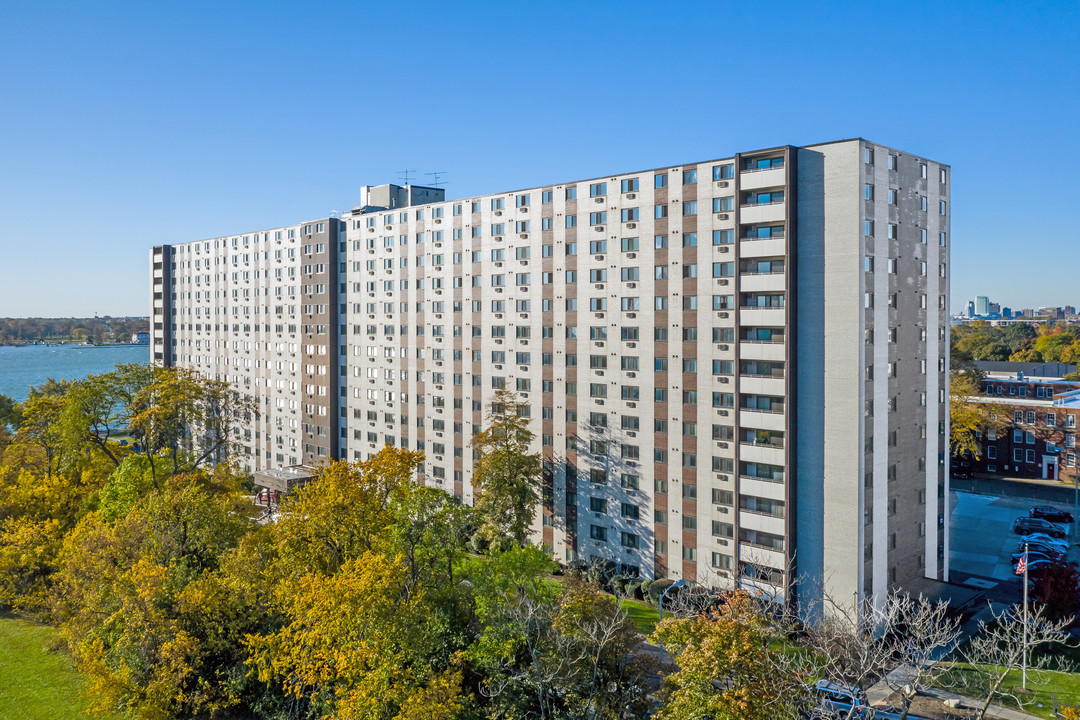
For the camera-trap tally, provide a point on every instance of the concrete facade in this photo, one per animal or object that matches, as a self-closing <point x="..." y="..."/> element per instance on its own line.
<point x="735" y="368"/>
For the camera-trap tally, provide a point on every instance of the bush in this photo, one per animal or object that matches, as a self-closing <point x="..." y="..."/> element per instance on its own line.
<point x="643" y="589"/>
<point x="618" y="585"/>
<point x="656" y="589"/>
<point x="478" y="544"/>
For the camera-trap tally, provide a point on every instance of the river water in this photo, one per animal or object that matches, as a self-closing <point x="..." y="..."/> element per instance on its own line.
<point x="24" y="367"/>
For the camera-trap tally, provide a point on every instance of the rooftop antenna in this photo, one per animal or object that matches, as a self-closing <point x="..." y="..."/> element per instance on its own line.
<point x="436" y="174"/>
<point x="405" y="175"/>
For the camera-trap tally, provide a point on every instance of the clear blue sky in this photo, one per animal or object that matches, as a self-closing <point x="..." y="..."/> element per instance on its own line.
<point x="129" y="124"/>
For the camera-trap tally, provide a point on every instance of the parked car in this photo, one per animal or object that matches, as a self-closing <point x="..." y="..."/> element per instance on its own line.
<point x="1034" y="555"/>
<point x="1051" y="514"/>
<point x="840" y="699"/>
<point x="1046" y="540"/>
<point x="1035" y="564"/>
<point x="1040" y="548"/>
<point x="1027" y="525"/>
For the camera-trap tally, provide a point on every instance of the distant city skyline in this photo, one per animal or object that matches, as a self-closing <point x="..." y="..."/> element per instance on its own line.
<point x="123" y="140"/>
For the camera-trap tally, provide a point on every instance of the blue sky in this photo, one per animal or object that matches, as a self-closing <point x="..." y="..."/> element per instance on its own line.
<point x="129" y="124"/>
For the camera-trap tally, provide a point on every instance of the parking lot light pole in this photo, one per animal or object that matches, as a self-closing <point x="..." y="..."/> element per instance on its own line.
<point x="677" y="583"/>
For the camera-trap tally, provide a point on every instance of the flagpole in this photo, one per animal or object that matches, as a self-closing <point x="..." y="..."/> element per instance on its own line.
<point x="1024" y="677"/>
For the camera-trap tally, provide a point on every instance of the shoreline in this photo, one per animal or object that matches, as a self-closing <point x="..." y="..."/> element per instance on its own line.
<point x="74" y="344"/>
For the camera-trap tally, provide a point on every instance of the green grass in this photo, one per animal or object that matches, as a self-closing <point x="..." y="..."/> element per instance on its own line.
<point x="36" y="684"/>
<point x="644" y="615"/>
<point x="1044" y="687"/>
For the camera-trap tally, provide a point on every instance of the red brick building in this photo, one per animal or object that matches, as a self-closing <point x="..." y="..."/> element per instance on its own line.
<point x="1039" y="439"/>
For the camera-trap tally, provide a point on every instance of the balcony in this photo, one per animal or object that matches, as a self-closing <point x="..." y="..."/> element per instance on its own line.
<point x="762" y="247"/>
<point x="751" y="350"/>
<point x="761" y="453"/>
<point x="762" y="385"/>
<point x="762" y="282"/>
<point x="764" y="316"/>
<point x="762" y="419"/>
<point x="761" y="212"/>
<point x="755" y="179"/>
<point x="760" y="521"/>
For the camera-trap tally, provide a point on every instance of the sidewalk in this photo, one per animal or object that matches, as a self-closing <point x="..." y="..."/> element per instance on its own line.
<point x="1008" y="486"/>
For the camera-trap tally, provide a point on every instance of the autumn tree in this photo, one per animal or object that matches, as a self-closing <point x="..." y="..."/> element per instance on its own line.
<point x="506" y="476"/>
<point x="729" y="666"/>
<point x="1055" y="589"/>
<point x="364" y="582"/>
<point x="347" y="510"/>
<point x="145" y="636"/>
<point x="968" y="417"/>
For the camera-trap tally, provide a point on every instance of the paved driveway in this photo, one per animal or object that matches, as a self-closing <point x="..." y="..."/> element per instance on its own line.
<point x="982" y="536"/>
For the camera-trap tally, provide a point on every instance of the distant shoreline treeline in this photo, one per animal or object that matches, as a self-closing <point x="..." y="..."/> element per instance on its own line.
<point x="99" y="331"/>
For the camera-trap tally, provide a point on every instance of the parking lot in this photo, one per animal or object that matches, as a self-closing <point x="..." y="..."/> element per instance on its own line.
<point x="982" y="536"/>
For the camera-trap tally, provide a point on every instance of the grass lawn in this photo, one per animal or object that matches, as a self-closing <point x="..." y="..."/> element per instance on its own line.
<point x="1044" y="687"/>
<point x="36" y="684"/>
<point x="644" y="615"/>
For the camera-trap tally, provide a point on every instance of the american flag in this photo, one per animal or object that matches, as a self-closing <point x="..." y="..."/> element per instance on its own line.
<point x="1021" y="567"/>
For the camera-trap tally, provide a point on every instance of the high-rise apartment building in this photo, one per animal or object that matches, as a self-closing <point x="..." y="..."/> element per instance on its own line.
<point x="736" y="369"/>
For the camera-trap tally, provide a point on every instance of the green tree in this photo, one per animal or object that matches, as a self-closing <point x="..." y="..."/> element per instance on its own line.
<point x="1018" y="336"/>
<point x="548" y="650"/>
<point x="9" y="412"/>
<point x="506" y="476"/>
<point x="187" y="417"/>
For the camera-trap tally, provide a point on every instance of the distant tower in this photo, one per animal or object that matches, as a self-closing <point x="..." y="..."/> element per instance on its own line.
<point x="982" y="305"/>
<point x="971" y="308"/>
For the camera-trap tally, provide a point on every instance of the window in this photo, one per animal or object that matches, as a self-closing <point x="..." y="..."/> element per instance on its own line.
<point x="723" y="237"/>
<point x="689" y="207"/>
<point x="629" y="244"/>
<point x="689" y="239"/>
<point x="597" y="189"/>
<point x="629" y="214"/>
<point x="598" y="218"/>
<point x="660" y="211"/>
<point x="723" y="204"/>
<point x="629" y="185"/>
<point x="723" y="172"/>
<point x="598" y="533"/>
<point x="660" y="242"/>
<point x="660" y="181"/>
<point x="868" y="192"/>
<point x="689" y="177"/>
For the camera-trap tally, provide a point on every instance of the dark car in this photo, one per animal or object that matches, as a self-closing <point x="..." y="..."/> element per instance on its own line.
<point x="1049" y="550"/>
<point x="1027" y="524"/>
<point x="1051" y="514"/>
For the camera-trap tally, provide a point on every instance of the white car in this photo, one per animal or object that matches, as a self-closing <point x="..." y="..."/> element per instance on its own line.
<point x="1044" y="540"/>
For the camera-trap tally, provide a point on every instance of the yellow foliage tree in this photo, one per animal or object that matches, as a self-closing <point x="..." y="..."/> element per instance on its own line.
<point x="728" y="667"/>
